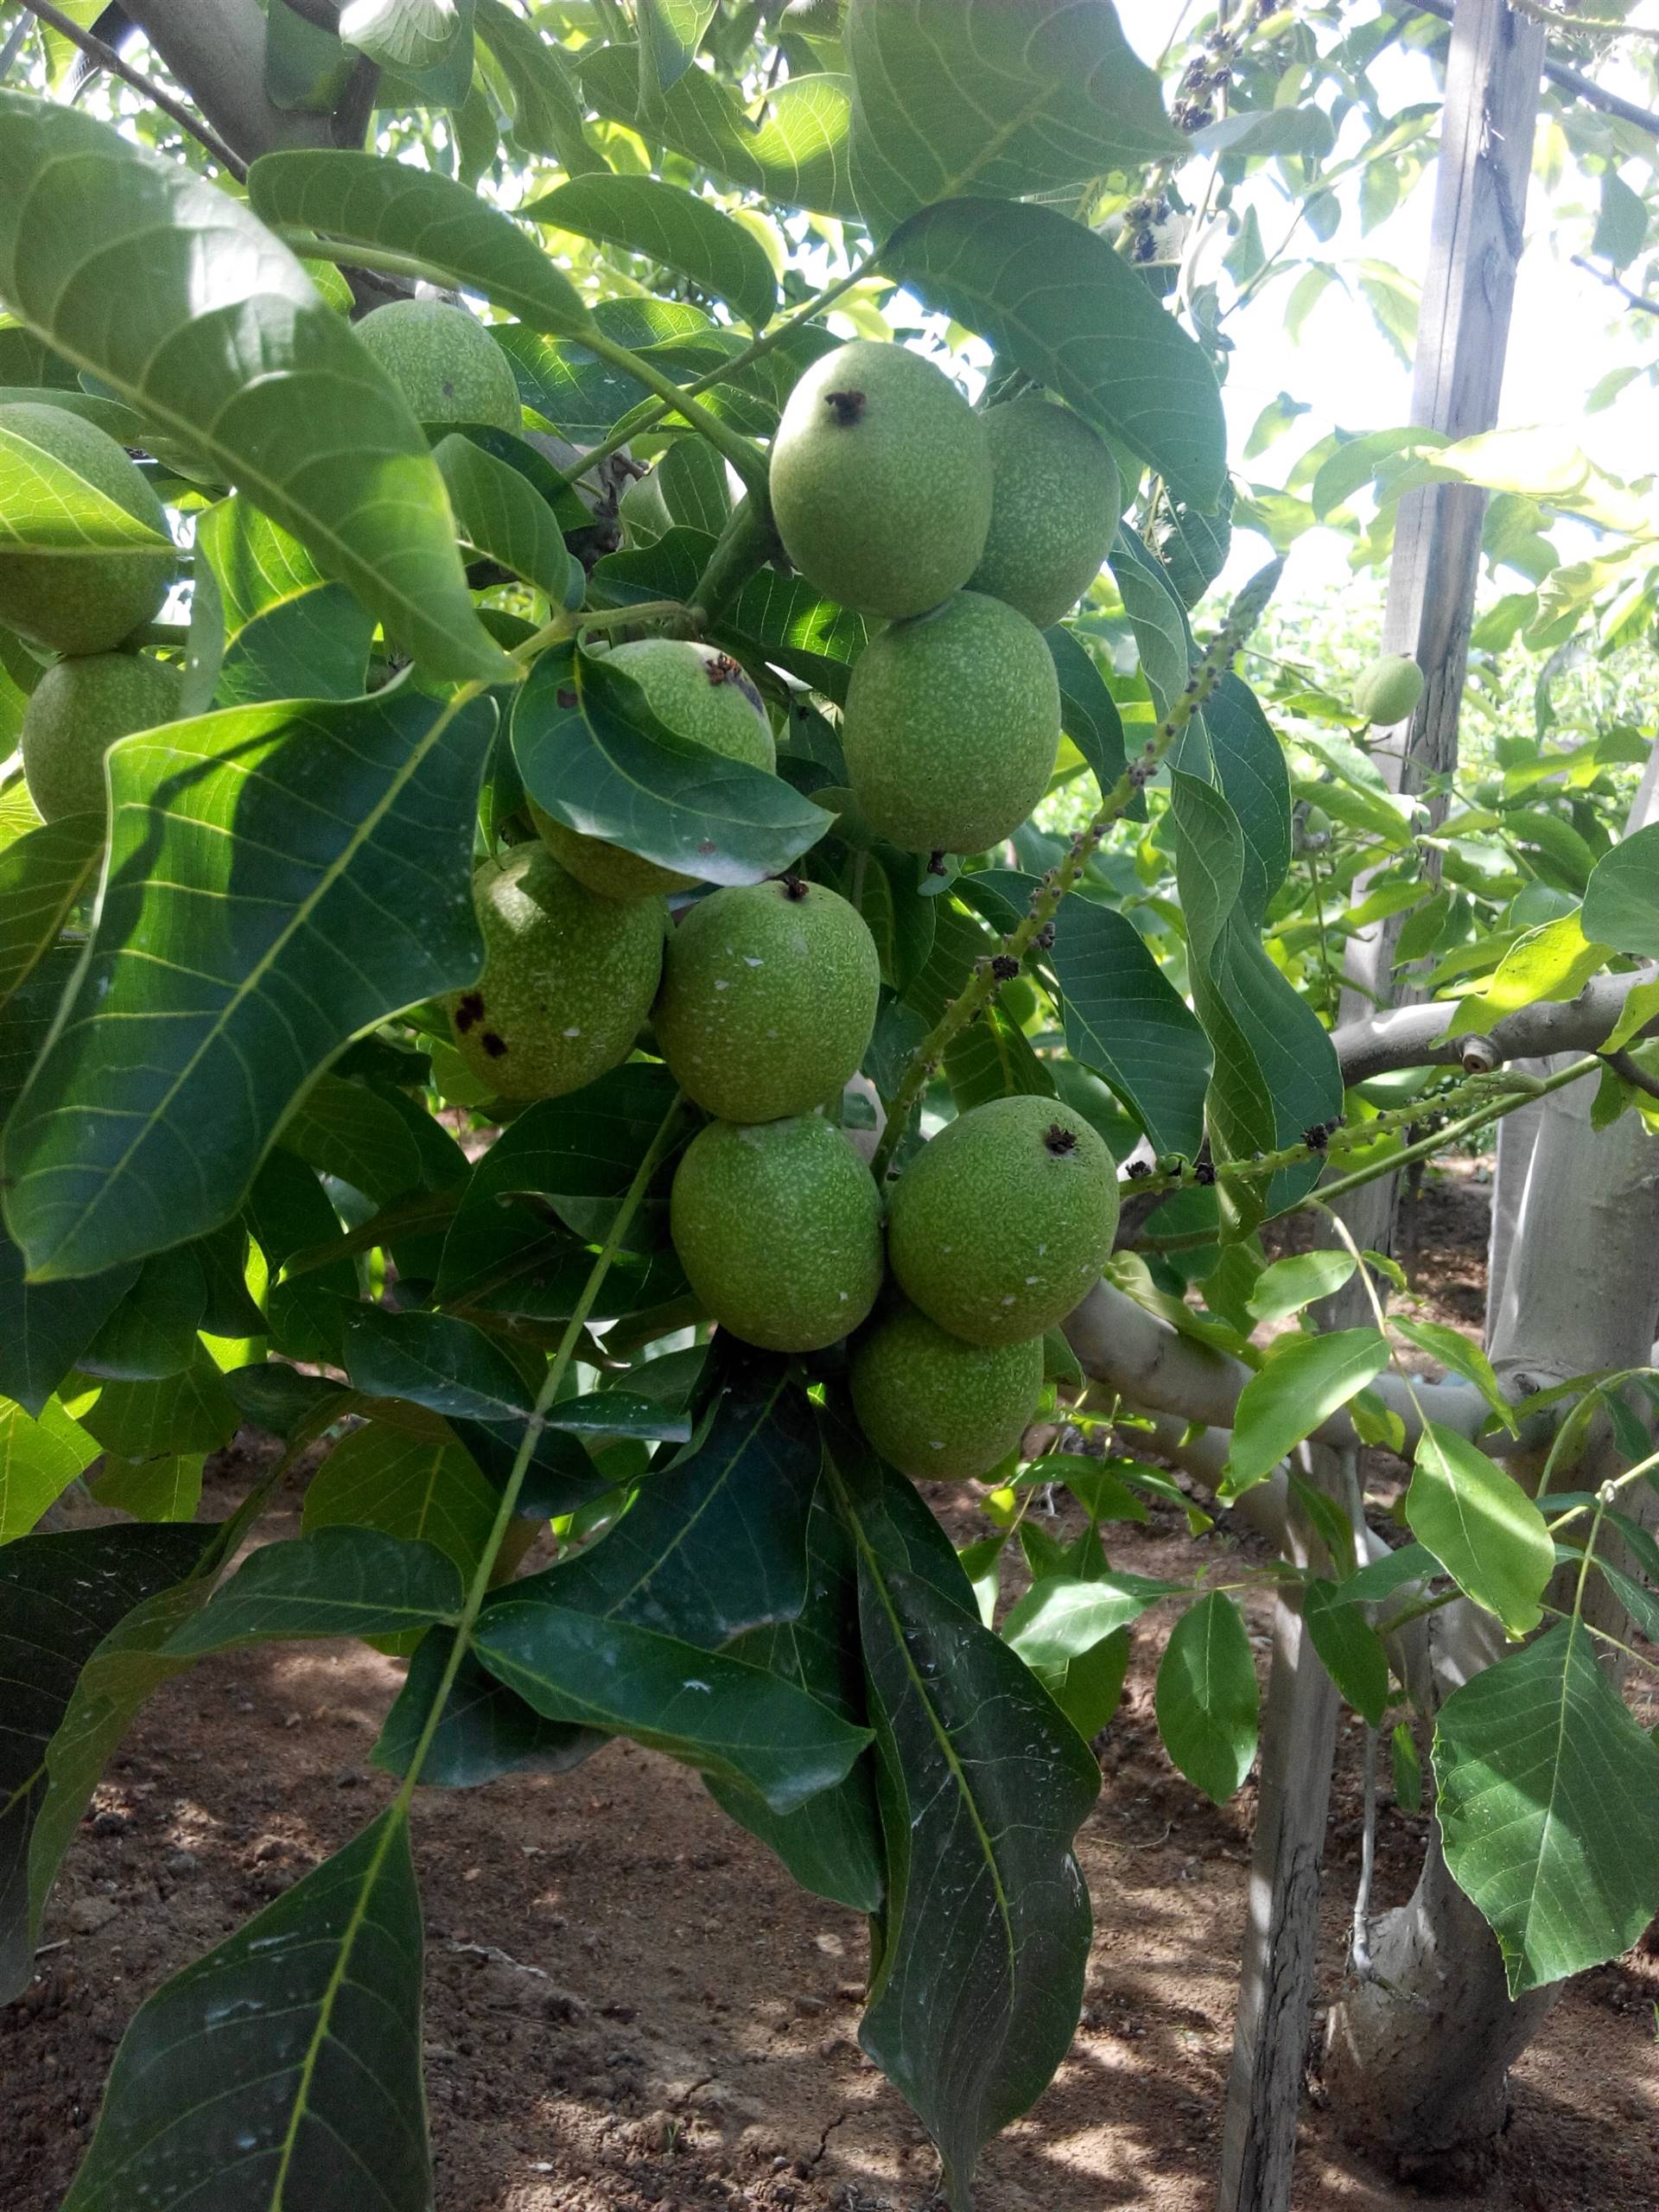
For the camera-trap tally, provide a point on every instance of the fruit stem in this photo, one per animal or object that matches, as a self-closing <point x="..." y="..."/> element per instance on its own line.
<point x="985" y="983"/>
<point x="746" y="457"/>
<point x="746" y="544"/>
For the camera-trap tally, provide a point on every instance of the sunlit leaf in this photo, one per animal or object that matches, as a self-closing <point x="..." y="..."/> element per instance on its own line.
<point x="1481" y="1526"/>
<point x="1303" y="1383"/>
<point x="1206" y="1697"/>
<point x="672" y="226"/>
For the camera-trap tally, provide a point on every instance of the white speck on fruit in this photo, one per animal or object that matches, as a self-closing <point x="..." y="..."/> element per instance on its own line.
<point x="573" y="1032"/>
<point x="1008" y="1300"/>
<point x="722" y="985"/>
<point x="753" y="960"/>
<point x="1031" y="1279"/>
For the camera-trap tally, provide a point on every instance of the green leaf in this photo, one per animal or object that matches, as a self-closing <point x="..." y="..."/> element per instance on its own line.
<point x="38" y="1460"/>
<point x="42" y="877"/>
<point x="370" y="200"/>
<point x="485" y="1731"/>
<point x="152" y="1334"/>
<point x="715" y="1712"/>
<point x="715" y="1544"/>
<point x="499" y="516"/>
<point x="1263" y="130"/>
<point x="669" y="224"/>
<point x="1621" y="907"/>
<point x="45" y="1326"/>
<point x="223" y="972"/>
<point x="1548" y="1803"/>
<point x="334" y="1582"/>
<point x="1286" y="1286"/>
<point x="191" y="1411"/>
<point x="1059" y="1617"/>
<point x="424" y="1488"/>
<point x="1481" y="1527"/>
<point x="670" y="32"/>
<point x="400" y="34"/>
<point x="1125" y="1017"/>
<point x="981" y="1784"/>
<point x="265" y="623"/>
<point x="546" y="113"/>
<point x="453" y="1369"/>
<point x="1408" y="1768"/>
<point x="831" y="1844"/>
<point x="1009" y="100"/>
<point x="798" y="157"/>
<point x="1088" y="713"/>
<point x="284" y="2066"/>
<point x="1089" y="1689"/>
<point x="994" y="1059"/>
<point x="61" y="1596"/>
<point x="1463" y="1357"/>
<point x="346" y="1130"/>
<point x="320" y="438"/>
<point x="591" y="752"/>
<point x="167" y="1489"/>
<point x="1351" y="1649"/>
<point x="1389" y="1572"/>
<point x="1206" y="1698"/>
<point x="50" y="511"/>
<point x="1303" y="1381"/>
<point x="1052" y="297"/>
<point x="1621" y="223"/>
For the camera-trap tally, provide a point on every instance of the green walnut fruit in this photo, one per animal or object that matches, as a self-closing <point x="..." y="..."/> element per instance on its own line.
<point x="76" y="712"/>
<point x="1389" y="689"/>
<point x="932" y="1405"/>
<point x="1003" y="1222"/>
<point x="568" y="978"/>
<point x="952" y="725"/>
<point x="881" y="480"/>
<point x="84" y="603"/>
<point x="768" y="999"/>
<point x="444" y="362"/>
<point x="701" y="694"/>
<point x="1055" y="507"/>
<point x="778" y="1227"/>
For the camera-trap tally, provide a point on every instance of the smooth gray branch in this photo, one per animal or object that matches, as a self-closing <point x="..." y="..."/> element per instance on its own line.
<point x="1423" y="1036"/>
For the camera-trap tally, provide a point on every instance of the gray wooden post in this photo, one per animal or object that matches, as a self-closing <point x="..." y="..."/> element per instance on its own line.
<point x="1491" y="97"/>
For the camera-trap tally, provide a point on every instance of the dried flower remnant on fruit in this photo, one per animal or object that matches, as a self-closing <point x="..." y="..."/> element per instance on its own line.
<point x="1059" y="1141"/>
<point x="1137" y="1168"/>
<point x="848" y="407"/>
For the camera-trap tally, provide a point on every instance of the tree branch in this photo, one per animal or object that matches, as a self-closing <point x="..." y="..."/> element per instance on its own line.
<point x="1631" y="1073"/>
<point x="216" y="48"/>
<point x="1639" y="300"/>
<point x="1423" y="1036"/>
<point x="106" y="58"/>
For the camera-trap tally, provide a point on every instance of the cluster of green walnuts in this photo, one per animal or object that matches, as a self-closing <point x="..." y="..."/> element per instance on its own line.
<point x="966" y="532"/>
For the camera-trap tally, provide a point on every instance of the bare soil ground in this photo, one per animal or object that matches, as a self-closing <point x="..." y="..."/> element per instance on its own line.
<point x="630" y="2006"/>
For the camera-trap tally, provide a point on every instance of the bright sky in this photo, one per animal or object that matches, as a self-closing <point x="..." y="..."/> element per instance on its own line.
<point x="1567" y="331"/>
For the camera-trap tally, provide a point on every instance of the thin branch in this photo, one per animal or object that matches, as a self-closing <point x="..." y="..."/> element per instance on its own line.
<point x="1630" y="1071"/>
<point x="1605" y="276"/>
<point x="1582" y="26"/>
<point x="107" y="58"/>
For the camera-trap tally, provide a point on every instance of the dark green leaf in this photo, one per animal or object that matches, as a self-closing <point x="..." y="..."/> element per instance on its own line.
<point x="798" y="157"/>
<point x="1406" y="1767"/>
<point x="42" y="874"/>
<point x="45" y="1326"/>
<point x="485" y="1731"/>
<point x="670" y="33"/>
<point x="981" y="1784"/>
<point x="831" y="1844"/>
<point x="167" y="1489"/>
<point x="1059" y="1617"/>
<point x="371" y="200"/>
<point x="61" y="1596"/>
<point x="722" y="1714"/>
<point x="152" y="1334"/>
<point x="671" y="225"/>
<point x="1206" y="1697"/>
<point x="1051" y="296"/>
<point x="1125" y="1018"/>
<point x="286" y="2064"/>
<point x="1088" y="713"/>
<point x="1548" y="1803"/>
<point x="1010" y="97"/>
<point x="1455" y="1351"/>
<point x="346" y="1130"/>
<point x="382" y="1478"/>
<point x="320" y="438"/>
<point x="1384" y="1575"/>
<point x="287" y="1212"/>
<point x="334" y="1582"/>
<point x="591" y="752"/>
<point x="265" y="623"/>
<point x="223" y="972"/>
<point x="282" y="1401"/>
<point x="453" y="1369"/>
<point x="994" y="1059"/>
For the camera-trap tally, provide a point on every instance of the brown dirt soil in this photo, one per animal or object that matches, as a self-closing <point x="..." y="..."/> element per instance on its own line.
<point x="630" y="2006"/>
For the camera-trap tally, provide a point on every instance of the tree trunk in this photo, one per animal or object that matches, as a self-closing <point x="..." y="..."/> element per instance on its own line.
<point x="1416" y="2061"/>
